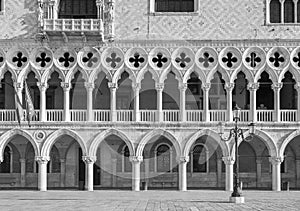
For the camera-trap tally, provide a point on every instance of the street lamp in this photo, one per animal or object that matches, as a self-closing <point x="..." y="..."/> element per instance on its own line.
<point x="235" y="132"/>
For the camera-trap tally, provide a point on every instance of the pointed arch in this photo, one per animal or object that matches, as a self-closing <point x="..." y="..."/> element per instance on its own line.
<point x="199" y="73"/>
<point x="141" y="74"/>
<point x="46" y="148"/>
<point x="118" y="73"/>
<point x="7" y="136"/>
<point x="72" y="72"/>
<point x="206" y="132"/>
<point x="104" y="134"/>
<point x="13" y="74"/>
<point x="24" y="73"/>
<point x="154" y="133"/>
<point x="224" y="73"/>
<point x="165" y="73"/>
<point x="270" y="71"/>
<point x="249" y="75"/>
<point x="286" y="141"/>
<point x="293" y="71"/>
<point x="264" y="137"/>
<point x="94" y="74"/>
<point x="47" y="74"/>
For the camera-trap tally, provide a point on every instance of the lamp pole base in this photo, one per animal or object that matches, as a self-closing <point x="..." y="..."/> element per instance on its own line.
<point x="237" y="200"/>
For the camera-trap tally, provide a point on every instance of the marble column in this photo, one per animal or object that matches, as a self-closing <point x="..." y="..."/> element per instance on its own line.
<point x="114" y="172"/>
<point x="159" y="92"/>
<point x="136" y="90"/>
<point x="219" y="173"/>
<point x="229" y="87"/>
<point x="113" y="101"/>
<point x="182" y="173"/>
<point x="89" y="90"/>
<point x="136" y="172"/>
<point x="229" y="161"/>
<point x="258" y="172"/>
<point x="276" y="174"/>
<point x="206" y="88"/>
<point x="253" y="87"/>
<point x="43" y="115"/>
<point x="42" y="177"/>
<point x="182" y="87"/>
<point x="66" y="87"/>
<point x="276" y="87"/>
<point x="89" y="168"/>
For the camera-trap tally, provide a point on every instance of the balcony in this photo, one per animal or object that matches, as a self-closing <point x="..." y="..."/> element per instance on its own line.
<point x="73" y="25"/>
<point x="76" y="115"/>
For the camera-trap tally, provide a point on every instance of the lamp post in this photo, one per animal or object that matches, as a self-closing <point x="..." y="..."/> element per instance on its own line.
<point x="235" y="132"/>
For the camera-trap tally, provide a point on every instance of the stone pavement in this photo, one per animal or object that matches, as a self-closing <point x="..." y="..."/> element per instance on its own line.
<point x="148" y="200"/>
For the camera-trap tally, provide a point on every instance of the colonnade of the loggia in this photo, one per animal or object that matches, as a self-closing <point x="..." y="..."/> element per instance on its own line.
<point x="252" y="87"/>
<point x="136" y="163"/>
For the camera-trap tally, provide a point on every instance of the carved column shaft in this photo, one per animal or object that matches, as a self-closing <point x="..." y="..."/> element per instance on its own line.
<point x="182" y="89"/>
<point x="89" y="168"/>
<point x="66" y="87"/>
<point x="182" y="173"/>
<point x="229" y="161"/>
<point x="276" y="87"/>
<point x="89" y="89"/>
<point x="136" y="172"/>
<point x="113" y="100"/>
<point x="42" y="177"/>
<point x="206" y="88"/>
<point x="229" y="87"/>
<point x="159" y="90"/>
<point x="253" y="87"/>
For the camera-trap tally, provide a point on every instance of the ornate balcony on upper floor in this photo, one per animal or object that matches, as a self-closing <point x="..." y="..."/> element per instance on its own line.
<point x="77" y="18"/>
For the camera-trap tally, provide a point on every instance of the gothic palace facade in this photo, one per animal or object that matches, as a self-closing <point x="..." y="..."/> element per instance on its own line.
<point x="128" y="93"/>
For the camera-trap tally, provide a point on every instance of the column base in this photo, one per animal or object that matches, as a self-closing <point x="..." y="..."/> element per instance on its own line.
<point x="237" y="200"/>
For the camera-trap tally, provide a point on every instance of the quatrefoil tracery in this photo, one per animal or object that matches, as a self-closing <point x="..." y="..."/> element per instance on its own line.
<point x="19" y="59"/>
<point x="66" y="59"/>
<point x="136" y="60"/>
<point x="90" y="59"/>
<point x="159" y="60"/>
<point x="43" y="59"/>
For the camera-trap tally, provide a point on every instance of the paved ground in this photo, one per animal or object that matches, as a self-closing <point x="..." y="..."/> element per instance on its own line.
<point x="149" y="200"/>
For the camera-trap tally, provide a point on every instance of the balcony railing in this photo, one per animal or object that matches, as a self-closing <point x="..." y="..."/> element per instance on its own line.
<point x="148" y="115"/>
<point x="124" y="115"/>
<point x="288" y="115"/>
<point x="101" y="115"/>
<point x="194" y="115"/>
<point x="217" y="115"/>
<point x="57" y="115"/>
<point x="78" y="115"/>
<point x="265" y="115"/>
<point x="80" y="25"/>
<point x="54" y="115"/>
<point x="171" y="115"/>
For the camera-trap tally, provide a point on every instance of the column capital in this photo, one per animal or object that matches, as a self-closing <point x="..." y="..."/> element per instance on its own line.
<point x="183" y="159"/>
<point x="89" y="159"/>
<point x="258" y="161"/>
<point x="159" y="86"/>
<point x="42" y="159"/>
<point x="297" y="86"/>
<point x="281" y="1"/>
<point x="112" y="85"/>
<point x="22" y="160"/>
<point x="89" y="85"/>
<point x="182" y="86"/>
<point x="229" y="87"/>
<point x="136" y="159"/>
<point x="136" y="86"/>
<point x="253" y="86"/>
<point x="62" y="160"/>
<point x="65" y="86"/>
<point x="228" y="160"/>
<point x="206" y="86"/>
<point x="42" y="86"/>
<point x="18" y="85"/>
<point x="276" y="160"/>
<point x="99" y="3"/>
<point x="276" y="86"/>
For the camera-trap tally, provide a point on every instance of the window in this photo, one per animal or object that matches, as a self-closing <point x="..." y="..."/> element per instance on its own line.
<point x="286" y="12"/>
<point x="174" y="5"/>
<point x="77" y="9"/>
<point x="200" y="158"/>
<point x="163" y="158"/>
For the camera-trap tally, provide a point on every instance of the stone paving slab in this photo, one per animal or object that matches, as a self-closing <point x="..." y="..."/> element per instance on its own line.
<point x="206" y="200"/>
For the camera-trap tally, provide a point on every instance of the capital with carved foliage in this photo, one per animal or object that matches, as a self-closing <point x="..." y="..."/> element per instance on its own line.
<point x="42" y="159"/>
<point x="182" y="86"/>
<point x="89" y="85"/>
<point x="65" y="86"/>
<point x="253" y="86"/>
<point x="42" y="86"/>
<point x="159" y="86"/>
<point x="206" y="86"/>
<point x="183" y="159"/>
<point x="229" y="160"/>
<point x="276" y="160"/>
<point x="229" y="87"/>
<point x="276" y="86"/>
<point x="89" y="159"/>
<point x="136" y="159"/>
<point x="112" y="85"/>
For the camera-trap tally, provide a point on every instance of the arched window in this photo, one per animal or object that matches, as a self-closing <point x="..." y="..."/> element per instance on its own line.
<point x="163" y="158"/>
<point x="199" y="158"/>
<point x="6" y="165"/>
<point x="275" y="11"/>
<point x="126" y="166"/>
<point x="54" y="163"/>
<point x="289" y="11"/>
<point x="174" y="6"/>
<point x="77" y="9"/>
